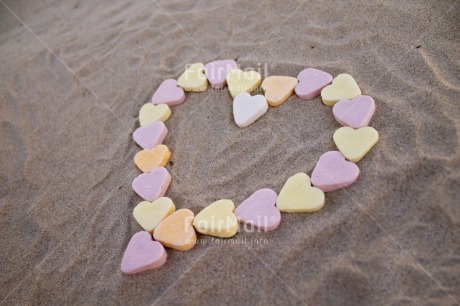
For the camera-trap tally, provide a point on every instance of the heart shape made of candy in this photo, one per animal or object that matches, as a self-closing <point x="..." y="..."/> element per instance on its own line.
<point x="354" y="113"/>
<point x="278" y="88"/>
<point x="151" y="186"/>
<point x="343" y="87"/>
<point x="239" y="81"/>
<point x="142" y="254"/>
<point x="311" y="82"/>
<point x="259" y="210"/>
<point x="149" y="113"/>
<point x="333" y="172"/>
<point x="176" y="231"/>
<point x="297" y="195"/>
<point x="354" y="144"/>
<point x="217" y="220"/>
<point x="149" y="159"/>
<point x="169" y="93"/>
<point x="194" y="78"/>
<point x="150" y="214"/>
<point x="217" y="71"/>
<point x="247" y="108"/>
<point x="151" y="135"/>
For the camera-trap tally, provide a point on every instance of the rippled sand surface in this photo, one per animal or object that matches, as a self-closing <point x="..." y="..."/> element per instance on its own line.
<point x="74" y="75"/>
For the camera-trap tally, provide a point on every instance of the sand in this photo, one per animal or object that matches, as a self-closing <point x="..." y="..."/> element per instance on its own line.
<point x="74" y="76"/>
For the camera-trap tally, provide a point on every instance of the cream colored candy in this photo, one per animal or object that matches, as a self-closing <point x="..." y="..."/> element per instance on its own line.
<point x="278" y="88"/>
<point x="194" y="78"/>
<point x="176" y="231"/>
<point x="150" y="214"/>
<point x="149" y="113"/>
<point x="354" y="144"/>
<point x="298" y="195"/>
<point x="217" y="220"/>
<point x="239" y="81"/>
<point x="147" y="160"/>
<point x="343" y="87"/>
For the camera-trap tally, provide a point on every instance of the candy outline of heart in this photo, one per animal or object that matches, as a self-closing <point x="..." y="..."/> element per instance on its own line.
<point x="292" y="185"/>
<point x="350" y="109"/>
<point x="308" y="186"/>
<point x="342" y="79"/>
<point x="164" y="204"/>
<point x="306" y="79"/>
<point x="190" y="238"/>
<point x="151" y="135"/>
<point x="236" y="85"/>
<point x="145" y="113"/>
<point x="207" y="226"/>
<point x="162" y="94"/>
<point x="243" y="103"/>
<point x="365" y="147"/>
<point x="137" y="248"/>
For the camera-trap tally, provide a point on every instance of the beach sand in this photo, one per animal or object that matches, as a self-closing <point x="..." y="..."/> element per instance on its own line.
<point x="74" y="76"/>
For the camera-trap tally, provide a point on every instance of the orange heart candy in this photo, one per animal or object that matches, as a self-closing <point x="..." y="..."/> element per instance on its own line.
<point x="278" y="88"/>
<point x="176" y="231"/>
<point x="147" y="160"/>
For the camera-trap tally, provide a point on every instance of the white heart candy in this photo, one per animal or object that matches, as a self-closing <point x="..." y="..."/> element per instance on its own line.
<point x="247" y="108"/>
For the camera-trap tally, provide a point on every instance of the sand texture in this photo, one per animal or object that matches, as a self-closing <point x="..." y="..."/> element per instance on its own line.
<point x="74" y="75"/>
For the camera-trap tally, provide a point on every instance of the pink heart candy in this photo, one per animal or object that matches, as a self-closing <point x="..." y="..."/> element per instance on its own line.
<point x="143" y="254"/>
<point x="216" y="72"/>
<point x="354" y="113"/>
<point x="260" y="210"/>
<point x="311" y="81"/>
<point x="169" y="93"/>
<point x="151" y="135"/>
<point x="153" y="185"/>
<point x="333" y="172"/>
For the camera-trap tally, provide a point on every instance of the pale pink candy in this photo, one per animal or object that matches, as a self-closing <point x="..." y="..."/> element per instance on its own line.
<point x="333" y="172"/>
<point x="354" y="113"/>
<point x="259" y="210"/>
<point x="143" y="254"/>
<point x="169" y="93"/>
<point x="151" y="135"/>
<point x="153" y="185"/>
<point x="311" y="81"/>
<point x="216" y="72"/>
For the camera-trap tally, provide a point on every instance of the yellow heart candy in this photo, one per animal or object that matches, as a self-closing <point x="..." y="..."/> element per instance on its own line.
<point x="147" y="160"/>
<point x="239" y="81"/>
<point x="343" y="87"/>
<point x="217" y="220"/>
<point x="150" y="214"/>
<point x="298" y="195"/>
<point x="354" y="144"/>
<point x="278" y="88"/>
<point x="149" y="113"/>
<point x="176" y="231"/>
<point x="194" y="78"/>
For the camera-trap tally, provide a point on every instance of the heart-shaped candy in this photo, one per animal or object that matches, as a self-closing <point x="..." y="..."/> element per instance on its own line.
<point x="239" y="81"/>
<point x="143" y="254"/>
<point x="343" y="87"/>
<point x="176" y="231"/>
<point x="311" y="81"/>
<point x="216" y="72"/>
<point x="217" y="220"/>
<point x="151" y="186"/>
<point x="149" y="113"/>
<point x="333" y="172"/>
<point x="151" y="135"/>
<point x="259" y="210"/>
<point x="149" y="159"/>
<point x="169" y="93"/>
<point x="354" y="144"/>
<point x="247" y="108"/>
<point x="193" y="79"/>
<point x="278" y="88"/>
<point x="150" y="214"/>
<point x="298" y="195"/>
<point x="354" y="113"/>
